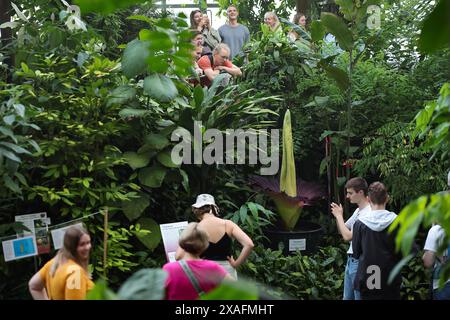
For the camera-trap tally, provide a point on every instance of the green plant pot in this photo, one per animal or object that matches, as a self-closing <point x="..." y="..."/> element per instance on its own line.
<point x="306" y="238"/>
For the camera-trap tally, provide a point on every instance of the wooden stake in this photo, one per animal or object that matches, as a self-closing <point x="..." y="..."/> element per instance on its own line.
<point x="105" y="240"/>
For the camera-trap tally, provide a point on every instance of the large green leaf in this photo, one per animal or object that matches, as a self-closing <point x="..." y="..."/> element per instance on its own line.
<point x="435" y="33"/>
<point x="134" y="58"/>
<point x="317" y="31"/>
<point x="399" y="266"/>
<point x="152" y="177"/>
<point x="15" y="147"/>
<point x="101" y="292"/>
<point x="411" y="216"/>
<point x="339" y="75"/>
<point x="160" y="41"/>
<point x="134" y="207"/>
<point x="145" y="284"/>
<point x="136" y="160"/>
<point x="158" y="63"/>
<point x="160" y="87"/>
<point x="185" y="181"/>
<point x="133" y="113"/>
<point x="337" y="27"/>
<point x="11" y="184"/>
<point x="104" y="6"/>
<point x="141" y="18"/>
<point x="166" y="160"/>
<point x="233" y="290"/>
<point x="56" y="37"/>
<point x="9" y="154"/>
<point x="346" y="7"/>
<point x="121" y="94"/>
<point x="156" y="141"/>
<point x="8" y="132"/>
<point x="9" y="120"/>
<point x="199" y="95"/>
<point x="150" y="240"/>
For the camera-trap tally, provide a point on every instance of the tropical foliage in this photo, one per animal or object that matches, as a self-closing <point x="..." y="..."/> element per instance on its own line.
<point x="93" y="103"/>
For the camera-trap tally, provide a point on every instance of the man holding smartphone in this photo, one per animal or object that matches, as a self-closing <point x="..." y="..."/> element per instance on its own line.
<point x="356" y="192"/>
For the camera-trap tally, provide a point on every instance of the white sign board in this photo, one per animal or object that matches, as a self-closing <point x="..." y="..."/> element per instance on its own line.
<point x="38" y="225"/>
<point x="170" y="234"/>
<point x="28" y="221"/>
<point x="58" y="235"/>
<point x="19" y="248"/>
<point x="297" y="244"/>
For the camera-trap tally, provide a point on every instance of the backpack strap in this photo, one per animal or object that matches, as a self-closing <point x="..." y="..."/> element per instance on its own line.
<point x="210" y="56"/>
<point x="187" y="270"/>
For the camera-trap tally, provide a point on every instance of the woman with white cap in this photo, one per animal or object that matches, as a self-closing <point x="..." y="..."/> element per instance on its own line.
<point x="220" y="233"/>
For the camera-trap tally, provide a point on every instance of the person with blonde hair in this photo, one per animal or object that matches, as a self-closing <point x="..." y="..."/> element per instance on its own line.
<point x="66" y="276"/>
<point x="271" y="19"/>
<point x="220" y="232"/>
<point x="191" y="276"/>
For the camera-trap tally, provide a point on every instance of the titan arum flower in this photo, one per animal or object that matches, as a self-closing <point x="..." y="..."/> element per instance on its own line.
<point x="289" y="194"/>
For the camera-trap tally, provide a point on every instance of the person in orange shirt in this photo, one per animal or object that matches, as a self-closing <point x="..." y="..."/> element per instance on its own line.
<point x="218" y="62"/>
<point x="66" y="276"/>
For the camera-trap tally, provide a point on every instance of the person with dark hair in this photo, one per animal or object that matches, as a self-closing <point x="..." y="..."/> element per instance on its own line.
<point x="356" y="192"/>
<point x="220" y="232"/>
<point x="197" y="41"/>
<point x="196" y="20"/>
<point x="374" y="246"/>
<point x="66" y="276"/>
<point x="191" y="276"/>
<point x="200" y="23"/>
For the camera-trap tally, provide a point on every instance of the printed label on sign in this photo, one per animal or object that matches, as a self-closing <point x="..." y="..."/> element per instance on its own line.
<point x="297" y="244"/>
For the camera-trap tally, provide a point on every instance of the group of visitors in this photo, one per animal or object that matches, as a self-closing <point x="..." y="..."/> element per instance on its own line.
<point x="204" y="259"/>
<point x="215" y="49"/>
<point x="372" y="256"/>
<point x="218" y="47"/>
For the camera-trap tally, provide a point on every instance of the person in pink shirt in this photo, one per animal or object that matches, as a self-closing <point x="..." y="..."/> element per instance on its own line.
<point x="201" y="275"/>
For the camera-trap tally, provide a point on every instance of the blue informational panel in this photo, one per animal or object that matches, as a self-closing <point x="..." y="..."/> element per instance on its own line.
<point x="24" y="247"/>
<point x="19" y="248"/>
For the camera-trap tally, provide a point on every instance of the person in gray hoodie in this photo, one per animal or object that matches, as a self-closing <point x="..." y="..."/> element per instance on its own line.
<point x="374" y="246"/>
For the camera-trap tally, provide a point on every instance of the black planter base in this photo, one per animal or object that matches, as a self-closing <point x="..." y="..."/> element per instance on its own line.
<point x="305" y="237"/>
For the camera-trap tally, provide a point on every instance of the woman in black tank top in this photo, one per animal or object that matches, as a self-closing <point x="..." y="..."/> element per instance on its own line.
<point x="207" y="212"/>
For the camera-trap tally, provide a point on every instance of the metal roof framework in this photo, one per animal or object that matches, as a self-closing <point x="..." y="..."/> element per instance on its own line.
<point x="163" y="4"/>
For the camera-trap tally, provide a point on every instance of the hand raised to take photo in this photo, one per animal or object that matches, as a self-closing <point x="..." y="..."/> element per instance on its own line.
<point x="337" y="210"/>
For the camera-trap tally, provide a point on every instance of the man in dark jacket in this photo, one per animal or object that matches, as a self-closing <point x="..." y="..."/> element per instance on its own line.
<point x="375" y="249"/>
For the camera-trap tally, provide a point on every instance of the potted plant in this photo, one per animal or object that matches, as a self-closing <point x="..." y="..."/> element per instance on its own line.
<point x="290" y="195"/>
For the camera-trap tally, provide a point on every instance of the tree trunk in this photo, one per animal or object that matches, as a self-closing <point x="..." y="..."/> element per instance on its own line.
<point x="5" y="16"/>
<point x="302" y="6"/>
